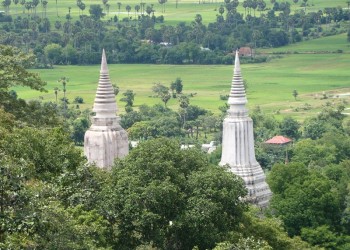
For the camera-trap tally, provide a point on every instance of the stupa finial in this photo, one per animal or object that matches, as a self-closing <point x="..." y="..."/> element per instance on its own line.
<point x="237" y="69"/>
<point x="104" y="67"/>
<point x="237" y="94"/>
<point x="105" y="104"/>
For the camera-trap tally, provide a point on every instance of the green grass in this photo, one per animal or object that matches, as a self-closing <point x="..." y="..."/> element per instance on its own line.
<point x="270" y="85"/>
<point x="186" y="10"/>
<point x="321" y="45"/>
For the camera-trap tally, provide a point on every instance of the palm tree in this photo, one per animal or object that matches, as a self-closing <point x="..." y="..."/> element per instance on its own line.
<point x="142" y="7"/>
<point x="104" y="4"/>
<point x="35" y="3"/>
<point x="16" y="2"/>
<point x="56" y="92"/>
<point x="56" y="8"/>
<point x="23" y="2"/>
<point x="221" y="10"/>
<point x="82" y="7"/>
<point x="64" y="80"/>
<point x="254" y="5"/>
<point x="128" y="8"/>
<point x="305" y="3"/>
<point x="44" y="4"/>
<point x="119" y="5"/>
<point x="245" y="6"/>
<point x="261" y="6"/>
<point x="137" y="8"/>
<point x="162" y="3"/>
<point x="107" y="8"/>
<point x="6" y="4"/>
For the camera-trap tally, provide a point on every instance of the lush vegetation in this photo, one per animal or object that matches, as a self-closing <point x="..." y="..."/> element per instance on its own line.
<point x="145" y="38"/>
<point x="159" y="196"/>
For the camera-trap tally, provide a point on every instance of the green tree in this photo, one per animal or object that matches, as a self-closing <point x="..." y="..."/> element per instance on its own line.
<point x="96" y="11"/>
<point x="177" y="86"/>
<point x="119" y="6"/>
<point x="304" y="198"/>
<point x="13" y="64"/>
<point x="128" y="9"/>
<point x="80" y="126"/>
<point x="53" y="52"/>
<point x="290" y="127"/>
<point x="311" y="153"/>
<point x="295" y="94"/>
<point x="172" y="198"/>
<point x="162" y="92"/>
<point x="64" y="80"/>
<point x="6" y="4"/>
<point x="49" y="150"/>
<point x="128" y="98"/>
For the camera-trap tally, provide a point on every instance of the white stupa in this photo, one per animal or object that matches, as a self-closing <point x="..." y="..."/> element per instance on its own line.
<point x="106" y="139"/>
<point x="238" y="143"/>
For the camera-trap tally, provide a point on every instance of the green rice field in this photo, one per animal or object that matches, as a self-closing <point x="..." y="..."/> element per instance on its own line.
<point x="270" y="85"/>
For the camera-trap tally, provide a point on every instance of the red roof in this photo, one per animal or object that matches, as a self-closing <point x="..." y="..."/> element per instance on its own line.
<point x="278" y="139"/>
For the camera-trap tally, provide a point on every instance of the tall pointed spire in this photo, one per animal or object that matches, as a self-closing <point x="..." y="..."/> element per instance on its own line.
<point x="106" y="139"/>
<point x="105" y="104"/>
<point x="237" y="98"/>
<point x="104" y="67"/>
<point x="238" y="142"/>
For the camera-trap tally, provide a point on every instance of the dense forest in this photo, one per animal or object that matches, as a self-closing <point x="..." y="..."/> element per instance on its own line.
<point x="144" y="38"/>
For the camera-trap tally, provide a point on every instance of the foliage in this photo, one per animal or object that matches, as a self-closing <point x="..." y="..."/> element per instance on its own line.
<point x="295" y="94"/>
<point x="312" y="153"/>
<point x="290" y="127"/>
<point x="96" y="11"/>
<point x="49" y="150"/>
<point x="128" y="98"/>
<point x="13" y="64"/>
<point x="53" y="52"/>
<point x="177" y="86"/>
<point x="173" y="198"/>
<point x="310" y="202"/>
<point x="137" y="39"/>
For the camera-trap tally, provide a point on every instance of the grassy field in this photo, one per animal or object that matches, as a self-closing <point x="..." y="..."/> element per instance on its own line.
<point x="323" y="45"/>
<point x="270" y="85"/>
<point x="185" y="11"/>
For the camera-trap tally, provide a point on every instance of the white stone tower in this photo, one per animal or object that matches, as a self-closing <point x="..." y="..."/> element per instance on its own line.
<point x="106" y="139"/>
<point x="238" y="143"/>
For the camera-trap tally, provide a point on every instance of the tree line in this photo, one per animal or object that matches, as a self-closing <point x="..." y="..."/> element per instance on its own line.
<point x="144" y="38"/>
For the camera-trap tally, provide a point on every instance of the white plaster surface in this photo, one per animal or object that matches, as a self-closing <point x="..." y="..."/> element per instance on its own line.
<point x="238" y="143"/>
<point x="106" y="140"/>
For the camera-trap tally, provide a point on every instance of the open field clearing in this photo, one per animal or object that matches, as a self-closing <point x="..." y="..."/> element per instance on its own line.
<point x="329" y="44"/>
<point x="270" y="85"/>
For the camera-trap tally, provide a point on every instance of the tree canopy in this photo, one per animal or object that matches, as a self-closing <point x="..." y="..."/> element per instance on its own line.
<point x="13" y="65"/>
<point x="172" y="198"/>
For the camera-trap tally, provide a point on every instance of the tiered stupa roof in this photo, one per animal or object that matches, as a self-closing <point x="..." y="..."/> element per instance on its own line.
<point x="238" y="142"/>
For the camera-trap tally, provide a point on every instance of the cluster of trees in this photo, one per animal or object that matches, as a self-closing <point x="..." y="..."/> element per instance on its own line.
<point x="137" y="40"/>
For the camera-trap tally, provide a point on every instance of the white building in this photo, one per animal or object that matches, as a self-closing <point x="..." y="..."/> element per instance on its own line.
<point x="106" y="139"/>
<point x="238" y="142"/>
